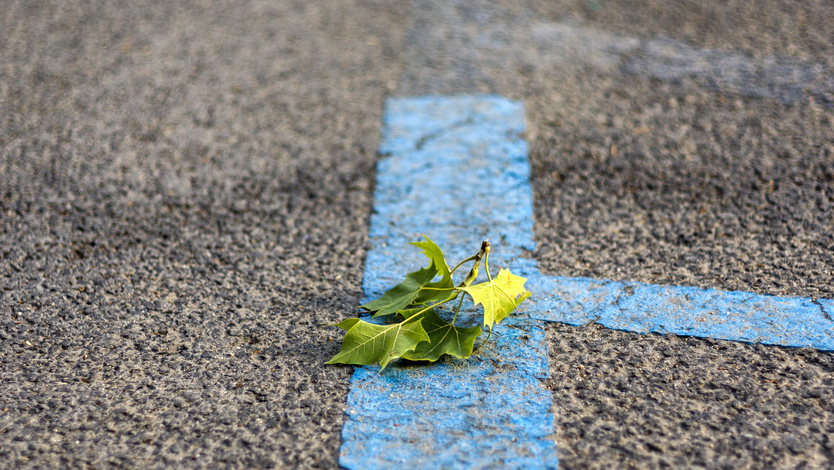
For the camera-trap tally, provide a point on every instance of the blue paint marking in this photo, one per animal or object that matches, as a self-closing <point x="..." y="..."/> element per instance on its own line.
<point x="456" y="169"/>
<point x="690" y="311"/>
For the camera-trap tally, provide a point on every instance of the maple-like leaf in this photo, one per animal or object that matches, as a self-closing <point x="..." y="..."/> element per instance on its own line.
<point x="444" y="338"/>
<point x="499" y="297"/>
<point x="423" y="335"/>
<point x="367" y="343"/>
<point x="417" y="287"/>
<point x="403" y="294"/>
<point x="439" y="290"/>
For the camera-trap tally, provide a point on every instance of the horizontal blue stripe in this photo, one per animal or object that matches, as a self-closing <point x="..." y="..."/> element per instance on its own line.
<point x="690" y="311"/>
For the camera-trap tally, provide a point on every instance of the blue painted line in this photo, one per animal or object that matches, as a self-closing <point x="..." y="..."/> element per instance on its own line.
<point x="456" y="169"/>
<point x="689" y="311"/>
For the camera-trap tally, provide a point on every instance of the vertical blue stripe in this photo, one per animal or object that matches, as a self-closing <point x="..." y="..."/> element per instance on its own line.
<point x="456" y="169"/>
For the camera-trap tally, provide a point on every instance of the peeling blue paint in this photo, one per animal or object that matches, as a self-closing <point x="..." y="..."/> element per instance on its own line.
<point x="456" y="169"/>
<point x="689" y="311"/>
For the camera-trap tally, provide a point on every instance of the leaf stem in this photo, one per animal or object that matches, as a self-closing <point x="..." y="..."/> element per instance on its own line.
<point x="461" y="263"/>
<point x="457" y="310"/>
<point x="428" y="307"/>
<point x="486" y="265"/>
<point x="484" y="343"/>
<point x="473" y="272"/>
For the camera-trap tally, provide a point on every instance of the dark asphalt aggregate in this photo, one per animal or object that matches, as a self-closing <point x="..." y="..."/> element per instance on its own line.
<point x="185" y="192"/>
<point x="669" y="182"/>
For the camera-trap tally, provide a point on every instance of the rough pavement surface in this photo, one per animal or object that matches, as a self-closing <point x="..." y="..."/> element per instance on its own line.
<point x="185" y="190"/>
<point x="677" y="183"/>
<point x="669" y="182"/>
<point x="184" y="200"/>
<point x="626" y="400"/>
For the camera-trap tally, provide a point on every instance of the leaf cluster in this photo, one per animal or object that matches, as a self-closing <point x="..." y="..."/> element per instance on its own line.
<point x="414" y="330"/>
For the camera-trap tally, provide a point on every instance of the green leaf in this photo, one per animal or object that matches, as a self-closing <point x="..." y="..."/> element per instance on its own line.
<point x="444" y="338"/>
<point x="348" y="323"/>
<point x="431" y="293"/>
<point x="403" y="294"/>
<point x="366" y="343"/>
<point x="417" y="287"/>
<point x="499" y="297"/>
<point x="423" y="335"/>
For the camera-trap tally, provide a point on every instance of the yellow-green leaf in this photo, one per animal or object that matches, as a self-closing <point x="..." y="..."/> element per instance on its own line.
<point x="499" y="297"/>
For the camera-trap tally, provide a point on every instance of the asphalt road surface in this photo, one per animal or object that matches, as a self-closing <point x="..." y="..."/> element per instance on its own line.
<point x="185" y="191"/>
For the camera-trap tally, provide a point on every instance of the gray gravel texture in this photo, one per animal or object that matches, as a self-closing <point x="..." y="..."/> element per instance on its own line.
<point x="625" y="400"/>
<point x="671" y="182"/>
<point x="184" y="200"/>
<point x="721" y="192"/>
